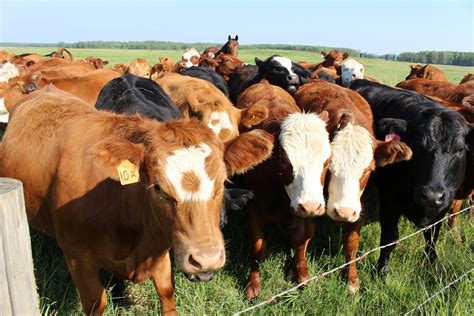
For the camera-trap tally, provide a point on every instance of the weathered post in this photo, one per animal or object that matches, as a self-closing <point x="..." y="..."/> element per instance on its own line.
<point x="18" y="294"/>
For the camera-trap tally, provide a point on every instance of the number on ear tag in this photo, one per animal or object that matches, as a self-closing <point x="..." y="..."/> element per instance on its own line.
<point x="128" y="172"/>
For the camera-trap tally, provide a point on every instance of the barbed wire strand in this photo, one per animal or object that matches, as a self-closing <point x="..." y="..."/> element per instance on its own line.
<point x="437" y="293"/>
<point x="322" y="275"/>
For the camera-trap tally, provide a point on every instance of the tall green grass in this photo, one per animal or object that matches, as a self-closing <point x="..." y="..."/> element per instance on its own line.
<point x="389" y="72"/>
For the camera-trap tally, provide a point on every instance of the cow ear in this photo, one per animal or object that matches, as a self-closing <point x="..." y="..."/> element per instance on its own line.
<point x="345" y="118"/>
<point x="390" y="152"/>
<point x="345" y="55"/>
<point x="323" y="54"/>
<point x="387" y="126"/>
<point x="106" y="62"/>
<point x="110" y="152"/>
<point x="253" y="115"/>
<point x="236" y="37"/>
<point x="324" y="115"/>
<point x="260" y="63"/>
<point x="228" y="38"/>
<point x="248" y="150"/>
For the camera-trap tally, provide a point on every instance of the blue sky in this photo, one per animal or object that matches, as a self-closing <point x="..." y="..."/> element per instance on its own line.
<point x="383" y="26"/>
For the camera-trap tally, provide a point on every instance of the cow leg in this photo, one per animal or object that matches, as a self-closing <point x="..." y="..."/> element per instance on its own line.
<point x="389" y="218"/>
<point x="431" y="236"/>
<point x="453" y="221"/>
<point x="301" y="233"/>
<point x="91" y="290"/>
<point x="257" y="253"/>
<point x="351" y="245"/>
<point x="162" y="276"/>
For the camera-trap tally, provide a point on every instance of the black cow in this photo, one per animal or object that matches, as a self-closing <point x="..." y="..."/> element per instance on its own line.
<point x="208" y="75"/>
<point x="132" y="94"/>
<point x="423" y="188"/>
<point x="279" y="71"/>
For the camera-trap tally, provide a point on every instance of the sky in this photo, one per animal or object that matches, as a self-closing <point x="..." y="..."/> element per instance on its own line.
<point x="383" y="26"/>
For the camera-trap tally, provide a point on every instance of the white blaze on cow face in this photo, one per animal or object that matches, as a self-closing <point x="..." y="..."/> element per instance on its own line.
<point x="8" y="71"/>
<point x="219" y="121"/>
<point x="190" y="161"/>
<point x="350" y="71"/>
<point x="352" y="154"/>
<point x="306" y="143"/>
<point x="3" y="112"/>
<point x="287" y="63"/>
<point x="188" y="55"/>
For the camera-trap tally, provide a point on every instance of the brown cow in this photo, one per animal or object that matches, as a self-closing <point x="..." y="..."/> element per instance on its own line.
<point x="288" y="187"/>
<point x="426" y="72"/>
<point x="227" y="65"/>
<point x="4" y="55"/>
<point x="138" y="67"/>
<point x="355" y="153"/>
<point x="98" y="63"/>
<point x="450" y="92"/>
<point x="86" y="87"/>
<point x="200" y="98"/>
<point x="70" y="163"/>
<point x="333" y="61"/>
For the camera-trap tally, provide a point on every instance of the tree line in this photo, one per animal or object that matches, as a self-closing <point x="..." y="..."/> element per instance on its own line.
<point x="423" y="57"/>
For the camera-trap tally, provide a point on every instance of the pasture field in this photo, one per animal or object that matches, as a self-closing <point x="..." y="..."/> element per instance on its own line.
<point x="389" y="72"/>
<point x="409" y="283"/>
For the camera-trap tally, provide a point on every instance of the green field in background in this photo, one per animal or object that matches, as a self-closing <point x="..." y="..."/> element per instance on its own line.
<point x="389" y="72"/>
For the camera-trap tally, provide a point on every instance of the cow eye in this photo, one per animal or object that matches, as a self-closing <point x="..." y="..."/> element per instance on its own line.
<point x="157" y="188"/>
<point x="31" y="87"/>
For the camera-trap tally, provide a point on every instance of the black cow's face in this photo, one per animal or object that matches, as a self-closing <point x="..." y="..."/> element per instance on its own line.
<point x="281" y="71"/>
<point x="439" y="141"/>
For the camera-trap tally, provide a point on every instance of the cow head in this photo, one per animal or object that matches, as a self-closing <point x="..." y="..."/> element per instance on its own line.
<point x="167" y="63"/>
<point x="334" y="59"/>
<point x="282" y="72"/>
<point x="350" y="71"/>
<point x="19" y="87"/>
<point x="233" y="45"/>
<point x="355" y="154"/>
<point x="191" y="57"/>
<point x="414" y="71"/>
<point x="439" y="139"/>
<point x="227" y="64"/>
<point x="183" y="167"/>
<point x="139" y="67"/>
<point x="303" y="159"/>
<point x="98" y="63"/>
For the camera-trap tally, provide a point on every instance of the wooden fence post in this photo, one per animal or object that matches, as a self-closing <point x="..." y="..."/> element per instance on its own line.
<point x="18" y="295"/>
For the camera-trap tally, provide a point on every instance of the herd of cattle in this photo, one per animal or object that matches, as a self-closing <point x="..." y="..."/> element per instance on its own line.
<point x="122" y="165"/>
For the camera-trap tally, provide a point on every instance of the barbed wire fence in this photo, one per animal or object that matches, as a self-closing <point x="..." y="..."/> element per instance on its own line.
<point x="439" y="292"/>
<point x="362" y="256"/>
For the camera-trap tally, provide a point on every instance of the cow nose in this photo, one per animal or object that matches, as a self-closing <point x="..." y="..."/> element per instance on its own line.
<point x="310" y="209"/>
<point x="211" y="258"/>
<point x="346" y="214"/>
<point x="433" y="197"/>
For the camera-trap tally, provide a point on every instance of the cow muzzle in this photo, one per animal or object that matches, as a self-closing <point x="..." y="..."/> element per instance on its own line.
<point x="293" y="79"/>
<point x="431" y="198"/>
<point x="199" y="263"/>
<point x="344" y="214"/>
<point x="310" y="209"/>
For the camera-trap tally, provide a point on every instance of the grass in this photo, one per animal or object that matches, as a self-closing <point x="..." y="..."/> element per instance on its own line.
<point x="409" y="283"/>
<point x="389" y="72"/>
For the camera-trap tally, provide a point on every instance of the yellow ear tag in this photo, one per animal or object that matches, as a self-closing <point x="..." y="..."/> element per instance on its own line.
<point x="128" y="172"/>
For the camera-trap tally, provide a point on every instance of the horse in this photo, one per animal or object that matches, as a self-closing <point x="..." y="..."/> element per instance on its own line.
<point x="230" y="47"/>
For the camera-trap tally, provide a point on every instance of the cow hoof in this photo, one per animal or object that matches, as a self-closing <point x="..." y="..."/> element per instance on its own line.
<point x="353" y="287"/>
<point x="252" y="292"/>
